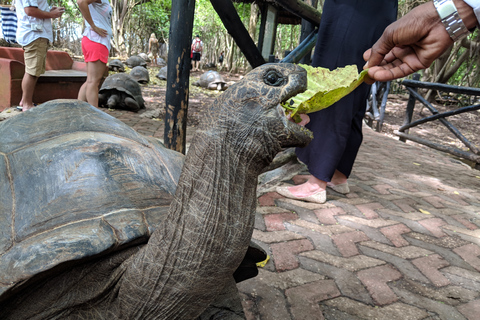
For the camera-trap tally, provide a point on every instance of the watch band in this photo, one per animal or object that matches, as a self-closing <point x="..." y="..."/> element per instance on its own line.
<point x="451" y="20"/>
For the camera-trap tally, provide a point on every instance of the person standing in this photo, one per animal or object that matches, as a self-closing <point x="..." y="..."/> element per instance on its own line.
<point x="95" y="45"/>
<point x="347" y="29"/>
<point x="153" y="48"/>
<point x="197" y="48"/>
<point x="34" y="33"/>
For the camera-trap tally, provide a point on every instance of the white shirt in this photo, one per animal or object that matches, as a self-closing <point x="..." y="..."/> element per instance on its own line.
<point x="102" y="17"/>
<point x="25" y="23"/>
<point x="475" y="4"/>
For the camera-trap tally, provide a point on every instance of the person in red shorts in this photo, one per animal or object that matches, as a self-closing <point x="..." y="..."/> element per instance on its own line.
<point x="95" y="45"/>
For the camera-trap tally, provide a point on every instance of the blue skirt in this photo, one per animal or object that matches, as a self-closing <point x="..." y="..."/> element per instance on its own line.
<point x="347" y="29"/>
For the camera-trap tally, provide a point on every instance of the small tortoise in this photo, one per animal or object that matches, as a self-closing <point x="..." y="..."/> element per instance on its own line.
<point x="116" y="65"/>
<point x="121" y="91"/>
<point x="84" y="230"/>
<point x="145" y="57"/>
<point x="211" y="80"/>
<point x="140" y="74"/>
<point x="134" y="61"/>
<point x="162" y="73"/>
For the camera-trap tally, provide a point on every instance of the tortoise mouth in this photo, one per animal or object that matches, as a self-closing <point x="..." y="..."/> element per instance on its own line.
<point x="296" y="135"/>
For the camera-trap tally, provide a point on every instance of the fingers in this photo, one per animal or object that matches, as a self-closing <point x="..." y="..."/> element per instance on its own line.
<point x="305" y="119"/>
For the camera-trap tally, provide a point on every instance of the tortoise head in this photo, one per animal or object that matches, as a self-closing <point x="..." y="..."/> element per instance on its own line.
<point x="250" y="110"/>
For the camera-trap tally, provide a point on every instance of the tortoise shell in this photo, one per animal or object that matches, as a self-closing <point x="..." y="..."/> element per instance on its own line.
<point x="212" y="80"/>
<point x="134" y="61"/>
<point x="162" y="73"/>
<point x="76" y="183"/>
<point x="122" y="85"/>
<point x="140" y="74"/>
<point x="116" y="65"/>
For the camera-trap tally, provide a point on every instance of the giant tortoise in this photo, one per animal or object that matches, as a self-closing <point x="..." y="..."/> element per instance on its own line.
<point x="211" y="80"/>
<point x="85" y="231"/>
<point x="121" y="91"/>
<point x="116" y="66"/>
<point x="134" y="61"/>
<point x="140" y="74"/>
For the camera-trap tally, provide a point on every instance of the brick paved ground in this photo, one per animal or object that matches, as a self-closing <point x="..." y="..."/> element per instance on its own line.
<point x="404" y="244"/>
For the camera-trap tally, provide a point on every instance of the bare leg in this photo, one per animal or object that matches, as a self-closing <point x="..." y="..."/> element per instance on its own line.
<point x="89" y="90"/>
<point x="28" y="87"/>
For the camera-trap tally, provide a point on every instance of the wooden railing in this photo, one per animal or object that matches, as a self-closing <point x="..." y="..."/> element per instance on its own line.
<point x="473" y="152"/>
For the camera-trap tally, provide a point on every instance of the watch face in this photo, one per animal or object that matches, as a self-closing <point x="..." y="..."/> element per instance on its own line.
<point x="445" y="8"/>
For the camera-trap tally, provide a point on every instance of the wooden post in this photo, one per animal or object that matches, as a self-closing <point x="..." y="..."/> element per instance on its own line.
<point x="301" y="9"/>
<point x="307" y="29"/>
<point x="178" y="72"/>
<point x="234" y="25"/>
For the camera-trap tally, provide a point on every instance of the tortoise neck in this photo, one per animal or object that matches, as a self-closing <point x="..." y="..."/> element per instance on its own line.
<point x="206" y="233"/>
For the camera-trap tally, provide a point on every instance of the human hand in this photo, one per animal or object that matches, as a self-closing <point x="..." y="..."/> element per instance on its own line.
<point x="101" y="32"/>
<point x="410" y="44"/>
<point x="305" y="119"/>
<point x="57" y="11"/>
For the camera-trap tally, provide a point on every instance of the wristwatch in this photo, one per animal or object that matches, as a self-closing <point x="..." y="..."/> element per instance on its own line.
<point x="451" y="20"/>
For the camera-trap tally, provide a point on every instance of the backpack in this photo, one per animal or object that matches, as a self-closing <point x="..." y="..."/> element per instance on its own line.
<point x="197" y="46"/>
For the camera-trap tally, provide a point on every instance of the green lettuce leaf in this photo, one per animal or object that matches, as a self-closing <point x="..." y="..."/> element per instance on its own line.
<point x="324" y="88"/>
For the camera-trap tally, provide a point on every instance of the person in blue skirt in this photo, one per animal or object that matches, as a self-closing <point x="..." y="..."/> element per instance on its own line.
<point x="347" y="29"/>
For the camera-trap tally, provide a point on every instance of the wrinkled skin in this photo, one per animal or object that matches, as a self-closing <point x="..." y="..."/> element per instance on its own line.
<point x="189" y="260"/>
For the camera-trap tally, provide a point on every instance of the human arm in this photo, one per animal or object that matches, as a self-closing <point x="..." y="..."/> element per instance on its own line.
<point x="413" y="42"/>
<point x="83" y="6"/>
<point x="35" y="12"/>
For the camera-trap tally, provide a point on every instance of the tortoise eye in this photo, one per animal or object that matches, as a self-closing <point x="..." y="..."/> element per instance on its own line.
<point x="273" y="78"/>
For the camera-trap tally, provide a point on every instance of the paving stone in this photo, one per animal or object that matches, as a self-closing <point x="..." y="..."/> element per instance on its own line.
<point x="434" y="226"/>
<point x="304" y="300"/>
<point x="395" y="311"/>
<point x="320" y="240"/>
<point x="346" y="281"/>
<point x="328" y="230"/>
<point x="277" y="236"/>
<point x="376" y="279"/>
<point x="373" y="223"/>
<point x="443" y="310"/>
<point x="267" y="302"/>
<point x="463" y="219"/>
<point x="393" y="233"/>
<point x="289" y="278"/>
<point x="406" y="204"/>
<point x="275" y="221"/>
<point x="470" y="310"/>
<point x="368" y="210"/>
<point x="429" y="267"/>
<point x="263" y="210"/>
<point x="372" y="233"/>
<point x="346" y="242"/>
<point x="351" y="263"/>
<point x="327" y="215"/>
<point x="452" y="295"/>
<point x="470" y="253"/>
<point x="304" y="212"/>
<point x="405" y="266"/>
<point x="268" y="199"/>
<point x="382" y="188"/>
<point x="284" y="253"/>
<point x="407" y="252"/>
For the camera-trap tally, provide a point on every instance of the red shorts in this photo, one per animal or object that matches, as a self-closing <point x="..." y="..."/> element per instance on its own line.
<point x="94" y="51"/>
